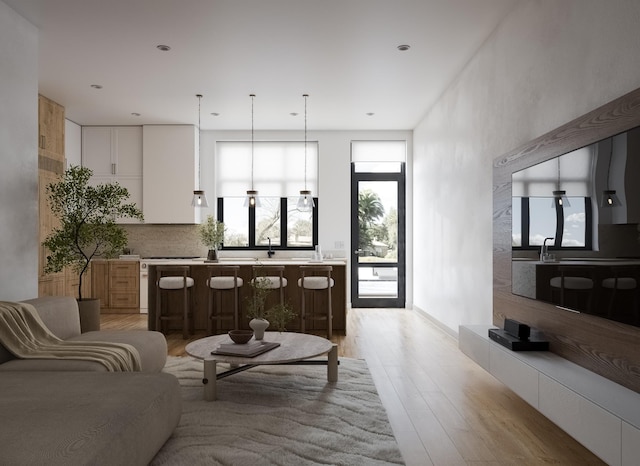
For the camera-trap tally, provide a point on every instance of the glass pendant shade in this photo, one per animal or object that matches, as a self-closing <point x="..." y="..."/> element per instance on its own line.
<point x="560" y="198"/>
<point x="610" y="198"/>
<point x="252" y="200"/>
<point x="199" y="199"/>
<point x="305" y="201"/>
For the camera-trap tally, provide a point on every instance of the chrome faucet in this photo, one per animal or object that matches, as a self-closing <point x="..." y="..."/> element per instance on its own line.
<point x="270" y="252"/>
<point x="544" y="249"/>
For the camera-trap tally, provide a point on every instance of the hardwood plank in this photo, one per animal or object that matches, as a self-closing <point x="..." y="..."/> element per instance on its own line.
<point x="442" y="407"/>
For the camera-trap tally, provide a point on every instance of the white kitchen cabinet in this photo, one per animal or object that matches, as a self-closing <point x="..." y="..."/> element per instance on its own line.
<point x="114" y="153"/>
<point x="170" y="154"/>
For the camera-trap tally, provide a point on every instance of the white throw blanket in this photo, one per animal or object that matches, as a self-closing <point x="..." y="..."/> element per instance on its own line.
<point x="23" y="333"/>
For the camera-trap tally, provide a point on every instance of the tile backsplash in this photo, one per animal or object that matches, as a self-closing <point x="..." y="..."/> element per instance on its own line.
<point x="164" y="240"/>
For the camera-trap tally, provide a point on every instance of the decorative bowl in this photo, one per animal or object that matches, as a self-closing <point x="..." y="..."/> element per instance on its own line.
<point x="240" y="336"/>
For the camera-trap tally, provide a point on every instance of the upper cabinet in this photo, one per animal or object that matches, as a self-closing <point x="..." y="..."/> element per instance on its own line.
<point x="169" y="172"/>
<point x="114" y="153"/>
<point x="50" y="129"/>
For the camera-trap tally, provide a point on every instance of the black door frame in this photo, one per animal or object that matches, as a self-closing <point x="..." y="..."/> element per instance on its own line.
<point x="400" y="300"/>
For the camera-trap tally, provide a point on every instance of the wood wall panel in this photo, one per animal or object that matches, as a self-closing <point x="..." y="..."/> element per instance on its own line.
<point x="605" y="347"/>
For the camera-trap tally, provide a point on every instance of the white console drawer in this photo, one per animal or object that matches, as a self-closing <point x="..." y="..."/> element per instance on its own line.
<point x="585" y="421"/>
<point x="519" y="377"/>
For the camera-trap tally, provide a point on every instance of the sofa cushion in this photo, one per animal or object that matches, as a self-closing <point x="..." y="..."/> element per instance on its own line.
<point x="63" y="418"/>
<point x="59" y="313"/>
<point x="151" y="345"/>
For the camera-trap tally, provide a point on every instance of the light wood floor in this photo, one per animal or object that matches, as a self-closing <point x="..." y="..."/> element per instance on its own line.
<point x="443" y="408"/>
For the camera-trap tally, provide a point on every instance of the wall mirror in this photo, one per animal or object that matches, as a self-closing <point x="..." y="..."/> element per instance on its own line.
<point x="575" y="229"/>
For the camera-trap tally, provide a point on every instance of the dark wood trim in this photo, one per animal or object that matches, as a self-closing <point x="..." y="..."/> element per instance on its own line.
<point x="605" y="347"/>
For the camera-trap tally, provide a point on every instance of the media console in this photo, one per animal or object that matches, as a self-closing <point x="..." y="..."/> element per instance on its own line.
<point x="600" y="414"/>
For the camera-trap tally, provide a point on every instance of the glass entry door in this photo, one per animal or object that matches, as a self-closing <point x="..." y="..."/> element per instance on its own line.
<point x="377" y="239"/>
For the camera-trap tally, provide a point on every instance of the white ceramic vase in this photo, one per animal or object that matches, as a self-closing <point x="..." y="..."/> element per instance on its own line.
<point x="258" y="326"/>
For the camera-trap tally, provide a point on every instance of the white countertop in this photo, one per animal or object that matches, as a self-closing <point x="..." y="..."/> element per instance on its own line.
<point x="245" y="261"/>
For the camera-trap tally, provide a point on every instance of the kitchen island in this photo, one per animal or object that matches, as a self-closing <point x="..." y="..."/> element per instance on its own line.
<point x="292" y="293"/>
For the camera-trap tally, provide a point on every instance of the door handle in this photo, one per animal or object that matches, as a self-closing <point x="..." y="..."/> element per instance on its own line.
<point x="357" y="252"/>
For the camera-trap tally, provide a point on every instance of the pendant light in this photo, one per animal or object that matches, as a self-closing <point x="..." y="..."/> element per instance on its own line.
<point x="199" y="198"/>
<point x="305" y="201"/>
<point x="559" y="195"/>
<point x="252" y="200"/>
<point x="609" y="196"/>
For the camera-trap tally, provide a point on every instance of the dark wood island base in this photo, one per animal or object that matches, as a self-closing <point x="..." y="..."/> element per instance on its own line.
<point x="172" y="303"/>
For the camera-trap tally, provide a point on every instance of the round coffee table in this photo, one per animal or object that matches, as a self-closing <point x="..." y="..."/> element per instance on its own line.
<point x="295" y="348"/>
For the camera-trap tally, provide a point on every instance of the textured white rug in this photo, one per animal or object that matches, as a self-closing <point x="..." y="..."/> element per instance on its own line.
<point x="285" y="415"/>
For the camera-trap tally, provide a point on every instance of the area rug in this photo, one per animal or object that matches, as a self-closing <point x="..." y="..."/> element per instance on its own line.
<point x="284" y="415"/>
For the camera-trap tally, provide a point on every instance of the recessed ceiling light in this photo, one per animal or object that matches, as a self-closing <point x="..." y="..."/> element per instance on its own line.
<point x="215" y="114"/>
<point x="135" y="114"/>
<point x="370" y="113"/>
<point x="164" y="48"/>
<point x="96" y="86"/>
<point x="404" y="47"/>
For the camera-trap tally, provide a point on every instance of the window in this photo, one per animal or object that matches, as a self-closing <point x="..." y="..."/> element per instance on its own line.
<point x="253" y="228"/>
<point x="537" y="218"/>
<point x="279" y="173"/>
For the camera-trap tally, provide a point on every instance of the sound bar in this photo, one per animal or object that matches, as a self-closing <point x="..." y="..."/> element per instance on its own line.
<point x="517" y="329"/>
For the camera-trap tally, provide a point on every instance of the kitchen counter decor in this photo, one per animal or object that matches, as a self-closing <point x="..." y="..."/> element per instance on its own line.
<point x="211" y="234"/>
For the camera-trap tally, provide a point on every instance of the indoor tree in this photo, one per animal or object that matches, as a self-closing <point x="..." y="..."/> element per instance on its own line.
<point x="87" y="216"/>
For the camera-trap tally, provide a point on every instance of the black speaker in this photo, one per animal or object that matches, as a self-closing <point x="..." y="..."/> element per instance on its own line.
<point x="517" y="329"/>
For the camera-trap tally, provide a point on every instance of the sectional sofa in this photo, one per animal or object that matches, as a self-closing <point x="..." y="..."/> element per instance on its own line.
<point x="64" y="412"/>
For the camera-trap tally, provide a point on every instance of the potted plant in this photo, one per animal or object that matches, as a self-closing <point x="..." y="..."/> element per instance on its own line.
<point x="87" y="227"/>
<point x="211" y="235"/>
<point x="279" y="314"/>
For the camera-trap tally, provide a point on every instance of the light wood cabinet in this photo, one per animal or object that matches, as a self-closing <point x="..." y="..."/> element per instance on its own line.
<point x="51" y="164"/>
<point x="117" y="284"/>
<point x="51" y="128"/>
<point x="50" y="167"/>
<point x="114" y="154"/>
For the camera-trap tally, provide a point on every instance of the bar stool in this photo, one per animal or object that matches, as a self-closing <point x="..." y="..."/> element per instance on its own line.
<point x="272" y="277"/>
<point x="316" y="278"/>
<point x="621" y="281"/>
<point x="171" y="278"/>
<point x="572" y="283"/>
<point x="222" y="278"/>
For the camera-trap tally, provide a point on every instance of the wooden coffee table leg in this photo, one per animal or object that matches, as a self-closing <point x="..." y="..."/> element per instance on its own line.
<point x="210" y="379"/>
<point x="332" y="364"/>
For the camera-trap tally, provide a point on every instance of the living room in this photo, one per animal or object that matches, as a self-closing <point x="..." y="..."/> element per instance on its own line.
<point x="545" y="64"/>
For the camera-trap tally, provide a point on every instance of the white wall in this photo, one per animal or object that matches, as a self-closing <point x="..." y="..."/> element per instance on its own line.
<point x="19" y="156"/>
<point x="547" y="63"/>
<point x="334" y="176"/>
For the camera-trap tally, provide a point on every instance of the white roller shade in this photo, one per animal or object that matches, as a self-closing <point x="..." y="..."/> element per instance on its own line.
<point x="378" y="151"/>
<point x="278" y="168"/>
<point x="570" y="172"/>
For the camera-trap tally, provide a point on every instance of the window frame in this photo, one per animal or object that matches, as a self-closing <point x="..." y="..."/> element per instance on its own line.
<point x="251" y="212"/>
<point x="557" y="244"/>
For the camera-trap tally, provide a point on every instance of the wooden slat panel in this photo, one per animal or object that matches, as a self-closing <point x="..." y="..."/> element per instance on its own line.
<point x="608" y="348"/>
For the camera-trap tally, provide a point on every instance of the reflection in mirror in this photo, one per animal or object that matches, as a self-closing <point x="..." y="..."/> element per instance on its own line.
<point x="586" y="204"/>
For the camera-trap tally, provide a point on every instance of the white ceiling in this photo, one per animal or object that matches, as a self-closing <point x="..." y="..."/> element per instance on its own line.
<point x="343" y="53"/>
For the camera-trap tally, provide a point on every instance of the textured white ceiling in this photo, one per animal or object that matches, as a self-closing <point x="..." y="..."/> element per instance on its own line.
<point x="343" y="53"/>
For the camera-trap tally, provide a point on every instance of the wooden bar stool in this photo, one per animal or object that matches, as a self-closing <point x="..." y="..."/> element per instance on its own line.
<point x="274" y="275"/>
<point x="621" y="282"/>
<point x="574" y="282"/>
<point x="171" y="278"/>
<point x="316" y="278"/>
<point x="222" y="278"/>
